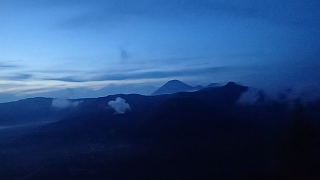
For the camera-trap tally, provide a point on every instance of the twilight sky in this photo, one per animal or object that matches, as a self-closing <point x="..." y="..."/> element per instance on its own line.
<point x="88" y="48"/>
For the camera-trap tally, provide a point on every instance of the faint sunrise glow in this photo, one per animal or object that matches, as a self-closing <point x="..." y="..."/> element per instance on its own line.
<point x="34" y="87"/>
<point x="50" y="46"/>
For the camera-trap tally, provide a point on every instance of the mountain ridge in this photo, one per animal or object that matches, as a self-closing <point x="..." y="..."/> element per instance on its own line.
<point x="175" y="86"/>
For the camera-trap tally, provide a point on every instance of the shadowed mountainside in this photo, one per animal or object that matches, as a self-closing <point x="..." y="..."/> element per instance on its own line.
<point x="187" y="135"/>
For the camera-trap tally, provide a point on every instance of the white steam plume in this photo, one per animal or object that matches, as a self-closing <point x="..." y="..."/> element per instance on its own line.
<point x="119" y="105"/>
<point x="64" y="103"/>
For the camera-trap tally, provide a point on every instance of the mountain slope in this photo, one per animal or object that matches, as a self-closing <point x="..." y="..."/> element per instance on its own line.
<point x="95" y="119"/>
<point x="32" y="110"/>
<point x="184" y="135"/>
<point x="173" y="86"/>
<point x="36" y="110"/>
<point x="213" y="85"/>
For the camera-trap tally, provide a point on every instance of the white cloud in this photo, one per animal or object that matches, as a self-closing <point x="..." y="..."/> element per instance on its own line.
<point x="119" y="105"/>
<point x="64" y="103"/>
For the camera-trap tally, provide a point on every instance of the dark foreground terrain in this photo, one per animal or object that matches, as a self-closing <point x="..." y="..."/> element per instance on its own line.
<point x="190" y="135"/>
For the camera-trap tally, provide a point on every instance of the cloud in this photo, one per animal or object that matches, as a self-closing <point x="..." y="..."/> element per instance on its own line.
<point x="303" y="13"/>
<point x="115" y="11"/>
<point x="162" y="74"/>
<point x="251" y="96"/>
<point x="64" y="103"/>
<point x="17" y="77"/>
<point x="6" y="66"/>
<point x="119" y="105"/>
<point x="65" y="79"/>
<point x="6" y="97"/>
<point x="287" y="95"/>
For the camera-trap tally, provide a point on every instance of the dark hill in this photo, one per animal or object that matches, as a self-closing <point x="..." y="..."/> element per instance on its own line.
<point x="172" y="114"/>
<point x="186" y="135"/>
<point x="180" y="117"/>
<point x="32" y="110"/>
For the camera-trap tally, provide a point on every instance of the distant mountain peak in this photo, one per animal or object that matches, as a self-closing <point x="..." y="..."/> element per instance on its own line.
<point x="173" y="86"/>
<point x="198" y="87"/>
<point x="233" y="85"/>
<point x="174" y="81"/>
<point x="213" y="85"/>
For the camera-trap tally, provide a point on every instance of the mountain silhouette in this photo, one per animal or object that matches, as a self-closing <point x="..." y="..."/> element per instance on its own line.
<point x="174" y="86"/>
<point x="184" y="135"/>
<point x="213" y="85"/>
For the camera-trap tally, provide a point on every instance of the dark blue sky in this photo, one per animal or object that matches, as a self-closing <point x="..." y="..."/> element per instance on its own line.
<point x="54" y="47"/>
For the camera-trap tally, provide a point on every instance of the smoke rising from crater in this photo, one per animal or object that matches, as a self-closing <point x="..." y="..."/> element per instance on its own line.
<point x="64" y="103"/>
<point x="119" y="106"/>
